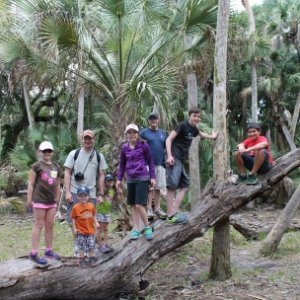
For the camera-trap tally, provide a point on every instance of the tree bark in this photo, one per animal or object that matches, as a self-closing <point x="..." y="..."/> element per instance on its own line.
<point x="122" y="270"/>
<point x="80" y="117"/>
<point x="270" y="244"/>
<point x="194" y="149"/>
<point x="220" y="259"/>
<point x="251" y="18"/>
<point x="27" y="104"/>
<point x="295" y="117"/>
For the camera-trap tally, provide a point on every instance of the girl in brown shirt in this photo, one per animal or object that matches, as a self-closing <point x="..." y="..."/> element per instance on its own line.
<point x="43" y="196"/>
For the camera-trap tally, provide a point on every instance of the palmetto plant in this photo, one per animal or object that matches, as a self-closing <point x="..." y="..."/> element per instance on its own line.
<point x="127" y="49"/>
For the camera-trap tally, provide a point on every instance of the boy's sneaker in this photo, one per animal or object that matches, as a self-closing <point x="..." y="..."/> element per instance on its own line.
<point x="178" y="218"/>
<point x="148" y="233"/>
<point x="52" y="255"/>
<point x="252" y="180"/>
<point x="161" y="214"/>
<point x="243" y="178"/>
<point x="83" y="262"/>
<point x="150" y="213"/>
<point x="135" y="234"/>
<point x="37" y="259"/>
<point x="104" y="249"/>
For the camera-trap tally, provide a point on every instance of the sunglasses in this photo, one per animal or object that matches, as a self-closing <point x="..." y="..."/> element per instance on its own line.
<point x="47" y="151"/>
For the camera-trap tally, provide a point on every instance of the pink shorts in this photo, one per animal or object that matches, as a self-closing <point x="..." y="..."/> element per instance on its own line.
<point x="44" y="206"/>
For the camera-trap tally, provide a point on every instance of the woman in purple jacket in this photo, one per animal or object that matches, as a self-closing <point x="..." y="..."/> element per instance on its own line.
<point x="136" y="161"/>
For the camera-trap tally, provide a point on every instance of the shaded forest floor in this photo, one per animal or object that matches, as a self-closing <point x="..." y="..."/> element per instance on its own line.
<point x="183" y="274"/>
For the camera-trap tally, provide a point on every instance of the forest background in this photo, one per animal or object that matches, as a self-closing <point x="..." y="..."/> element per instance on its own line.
<point x="103" y="64"/>
<point x="70" y="65"/>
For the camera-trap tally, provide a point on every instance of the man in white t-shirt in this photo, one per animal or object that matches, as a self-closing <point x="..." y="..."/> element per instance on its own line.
<point x="83" y="171"/>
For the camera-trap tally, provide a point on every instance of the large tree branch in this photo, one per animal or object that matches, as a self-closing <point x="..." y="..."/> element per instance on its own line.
<point x="122" y="270"/>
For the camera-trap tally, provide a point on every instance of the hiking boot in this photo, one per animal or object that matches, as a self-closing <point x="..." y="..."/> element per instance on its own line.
<point x="104" y="249"/>
<point x="252" y="180"/>
<point x="37" y="259"/>
<point x="150" y="213"/>
<point x="52" y="255"/>
<point x="178" y="218"/>
<point x="135" y="234"/>
<point x="148" y="233"/>
<point x="92" y="261"/>
<point x="243" y="178"/>
<point x="161" y="214"/>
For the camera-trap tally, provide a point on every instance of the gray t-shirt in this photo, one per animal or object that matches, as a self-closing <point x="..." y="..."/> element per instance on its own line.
<point x="90" y="173"/>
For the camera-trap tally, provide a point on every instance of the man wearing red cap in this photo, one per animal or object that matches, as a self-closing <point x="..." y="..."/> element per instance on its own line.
<point x="81" y="169"/>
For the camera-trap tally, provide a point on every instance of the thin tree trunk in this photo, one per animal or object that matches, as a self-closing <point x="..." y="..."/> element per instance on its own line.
<point x="270" y="244"/>
<point x="295" y="117"/>
<point x="287" y="135"/>
<point x="27" y="104"/>
<point x="80" y="118"/>
<point x="220" y="259"/>
<point x="254" y="109"/>
<point x="194" y="169"/>
<point x="244" y="115"/>
<point x="254" y="106"/>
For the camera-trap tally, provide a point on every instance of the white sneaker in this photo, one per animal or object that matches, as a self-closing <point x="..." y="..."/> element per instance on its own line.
<point x="150" y="213"/>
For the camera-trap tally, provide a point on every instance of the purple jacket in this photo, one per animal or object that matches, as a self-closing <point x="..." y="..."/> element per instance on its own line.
<point x="137" y="162"/>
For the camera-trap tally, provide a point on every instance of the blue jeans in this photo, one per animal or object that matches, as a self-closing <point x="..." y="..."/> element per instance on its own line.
<point x="71" y="204"/>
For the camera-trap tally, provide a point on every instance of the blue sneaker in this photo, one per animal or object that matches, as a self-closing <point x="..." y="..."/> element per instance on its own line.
<point x="135" y="234"/>
<point x="148" y="233"/>
<point x="52" y="255"/>
<point x="178" y="218"/>
<point x="37" y="259"/>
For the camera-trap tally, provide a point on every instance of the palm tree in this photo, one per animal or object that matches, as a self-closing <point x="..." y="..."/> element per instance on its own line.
<point x="220" y="259"/>
<point x="252" y="38"/>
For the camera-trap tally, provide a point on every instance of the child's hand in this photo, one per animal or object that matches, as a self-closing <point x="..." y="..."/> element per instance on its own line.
<point x="97" y="225"/>
<point x="214" y="134"/>
<point x="76" y="231"/>
<point x="119" y="187"/>
<point x="152" y="182"/>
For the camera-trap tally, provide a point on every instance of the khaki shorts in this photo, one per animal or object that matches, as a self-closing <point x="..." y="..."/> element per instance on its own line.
<point x="161" y="184"/>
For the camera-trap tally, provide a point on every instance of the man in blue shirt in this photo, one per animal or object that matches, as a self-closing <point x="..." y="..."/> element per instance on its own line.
<point x="156" y="139"/>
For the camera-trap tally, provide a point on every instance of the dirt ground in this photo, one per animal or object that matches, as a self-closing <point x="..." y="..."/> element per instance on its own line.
<point x="183" y="273"/>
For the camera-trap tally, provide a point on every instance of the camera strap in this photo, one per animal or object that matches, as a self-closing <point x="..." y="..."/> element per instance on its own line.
<point x="90" y="158"/>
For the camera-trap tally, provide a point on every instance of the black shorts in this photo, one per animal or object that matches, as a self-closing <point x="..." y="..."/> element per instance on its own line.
<point x="249" y="162"/>
<point x="137" y="192"/>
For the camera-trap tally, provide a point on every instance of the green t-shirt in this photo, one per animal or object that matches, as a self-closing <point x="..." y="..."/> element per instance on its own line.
<point x="105" y="206"/>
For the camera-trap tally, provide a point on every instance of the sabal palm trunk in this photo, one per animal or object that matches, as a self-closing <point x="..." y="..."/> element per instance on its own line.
<point x="295" y="117"/>
<point x="80" y="118"/>
<point x="27" y="104"/>
<point x="194" y="150"/>
<point x="220" y="258"/>
<point x="251" y="18"/>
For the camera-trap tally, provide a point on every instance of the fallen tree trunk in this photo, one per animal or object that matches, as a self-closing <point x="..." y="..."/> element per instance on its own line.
<point x="122" y="270"/>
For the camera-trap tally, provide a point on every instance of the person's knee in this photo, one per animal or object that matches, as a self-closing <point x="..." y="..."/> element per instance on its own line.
<point x="237" y="154"/>
<point x="261" y="152"/>
<point x="39" y="225"/>
<point x="49" y="224"/>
